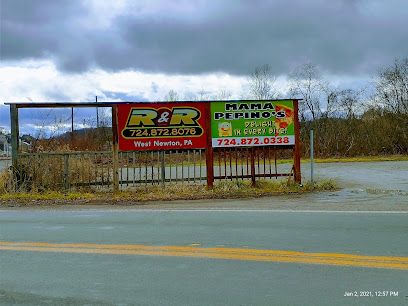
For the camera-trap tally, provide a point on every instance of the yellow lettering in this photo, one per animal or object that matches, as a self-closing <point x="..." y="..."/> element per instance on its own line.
<point x="141" y="117"/>
<point x="184" y="116"/>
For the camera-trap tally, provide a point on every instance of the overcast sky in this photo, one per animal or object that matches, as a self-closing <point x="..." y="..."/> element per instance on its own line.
<point x="68" y="50"/>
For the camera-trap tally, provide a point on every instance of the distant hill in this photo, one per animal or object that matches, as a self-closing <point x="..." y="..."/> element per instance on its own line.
<point x="85" y="132"/>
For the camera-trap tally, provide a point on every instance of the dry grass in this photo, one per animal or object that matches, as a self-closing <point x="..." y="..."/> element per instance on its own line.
<point x="40" y="173"/>
<point x="222" y="190"/>
<point x="6" y="182"/>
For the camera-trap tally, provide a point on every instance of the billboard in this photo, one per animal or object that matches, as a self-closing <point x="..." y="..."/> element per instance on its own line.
<point x="252" y="123"/>
<point x="161" y="126"/>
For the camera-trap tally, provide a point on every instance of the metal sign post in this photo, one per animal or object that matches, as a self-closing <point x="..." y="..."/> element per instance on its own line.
<point x="311" y="156"/>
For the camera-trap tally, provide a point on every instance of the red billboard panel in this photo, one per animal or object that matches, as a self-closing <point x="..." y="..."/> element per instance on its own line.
<point x="161" y="126"/>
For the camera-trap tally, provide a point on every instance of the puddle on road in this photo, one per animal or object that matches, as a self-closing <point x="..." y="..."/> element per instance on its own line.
<point x="377" y="182"/>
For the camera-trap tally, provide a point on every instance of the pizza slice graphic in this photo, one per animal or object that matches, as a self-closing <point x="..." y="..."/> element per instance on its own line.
<point x="285" y="121"/>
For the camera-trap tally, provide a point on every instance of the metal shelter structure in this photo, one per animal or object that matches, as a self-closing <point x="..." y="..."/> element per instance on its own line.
<point x="115" y="169"/>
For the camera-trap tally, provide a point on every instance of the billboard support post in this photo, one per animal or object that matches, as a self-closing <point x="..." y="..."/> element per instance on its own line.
<point x="209" y="151"/>
<point x="115" y="150"/>
<point x="296" y="155"/>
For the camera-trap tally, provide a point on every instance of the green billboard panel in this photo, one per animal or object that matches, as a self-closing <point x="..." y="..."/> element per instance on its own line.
<point x="252" y="123"/>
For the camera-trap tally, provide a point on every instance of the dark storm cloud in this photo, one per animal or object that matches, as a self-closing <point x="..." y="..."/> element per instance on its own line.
<point x="36" y="29"/>
<point x="347" y="36"/>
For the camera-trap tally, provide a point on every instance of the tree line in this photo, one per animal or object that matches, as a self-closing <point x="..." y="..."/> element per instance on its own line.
<point x="358" y="121"/>
<point x="346" y="121"/>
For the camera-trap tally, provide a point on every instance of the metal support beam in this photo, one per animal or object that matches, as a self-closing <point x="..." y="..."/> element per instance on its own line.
<point x="115" y="148"/>
<point x="209" y="151"/>
<point x="296" y="150"/>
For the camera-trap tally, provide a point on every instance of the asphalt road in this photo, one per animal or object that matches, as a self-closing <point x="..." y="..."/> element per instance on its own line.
<point x="205" y="257"/>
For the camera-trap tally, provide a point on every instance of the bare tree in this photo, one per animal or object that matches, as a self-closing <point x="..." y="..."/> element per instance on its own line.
<point x="171" y="96"/>
<point x="307" y="83"/>
<point x="261" y="83"/>
<point x="222" y="94"/>
<point x="348" y="102"/>
<point x="189" y="96"/>
<point x="392" y="86"/>
<point x="343" y="103"/>
<point x="203" y="95"/>
<point x="331" y="103"/>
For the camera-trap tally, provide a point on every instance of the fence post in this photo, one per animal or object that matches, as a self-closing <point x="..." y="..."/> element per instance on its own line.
<point x="163" y="167"/>
<point x="253" y="180"/>
<point x="115" y="149"/>
<point x="66" y="172"/>
<point x="296" y="151"/>
<point x="209" y="151"/>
